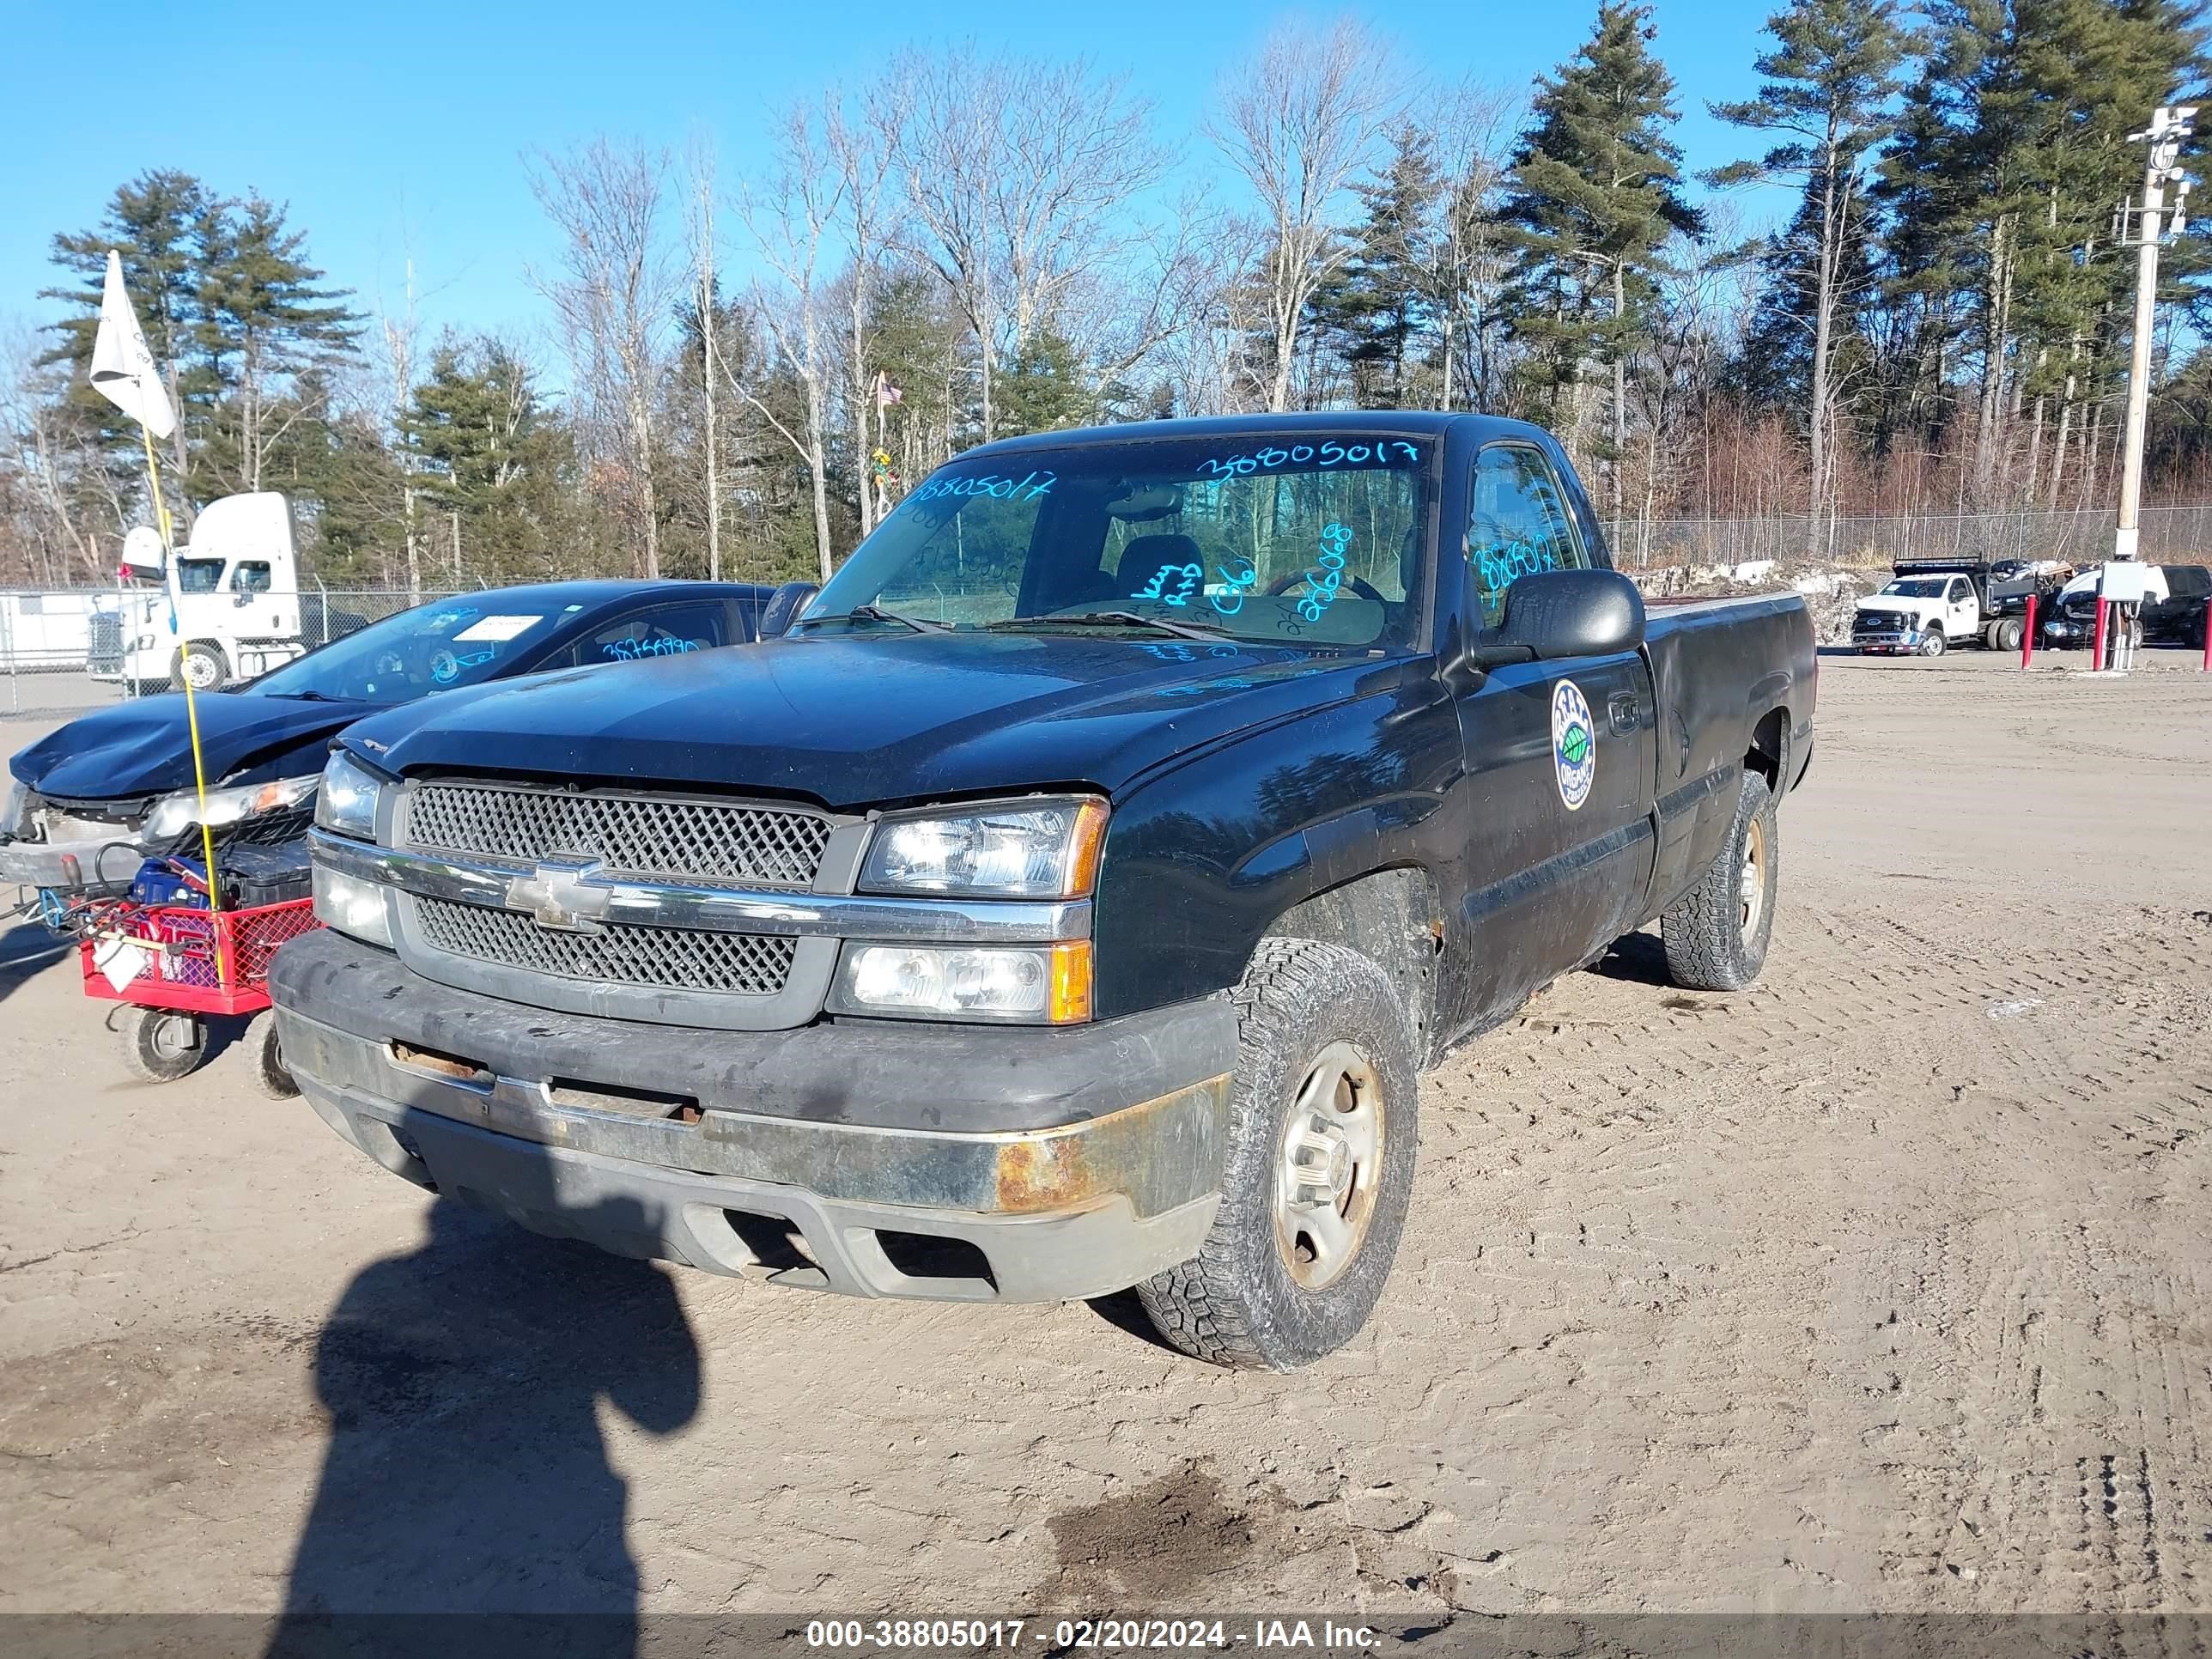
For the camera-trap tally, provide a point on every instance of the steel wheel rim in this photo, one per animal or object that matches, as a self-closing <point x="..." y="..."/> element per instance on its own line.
<point x="1328" y="1166"/>
<point x="199" y="671"/>
<point x="1750" y="893"/>
<point x="171" y="1037"/>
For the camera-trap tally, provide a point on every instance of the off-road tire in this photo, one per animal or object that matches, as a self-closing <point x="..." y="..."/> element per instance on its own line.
<point x="1708" y="947"/>
<point x="152" y="1047"/>
<point x="1236" y="1303"/>
<point x="267" y="1058"/>
<point x="212" y="672"/>
<point x="1936" y="644"/>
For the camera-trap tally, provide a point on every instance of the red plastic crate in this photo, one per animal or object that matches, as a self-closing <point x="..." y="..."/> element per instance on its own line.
<point x="210" y="961"/>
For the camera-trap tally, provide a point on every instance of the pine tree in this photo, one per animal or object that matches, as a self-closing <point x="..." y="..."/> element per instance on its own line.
<point x="1773" y="366"/>
<point x="1596" y="191"/>
<point x="154" y="222"/>
<point x="1377" y="309"/>
<point x="260" y="321"/>
<point x="2000" y="185"/>
<point x="1826" y="88"/>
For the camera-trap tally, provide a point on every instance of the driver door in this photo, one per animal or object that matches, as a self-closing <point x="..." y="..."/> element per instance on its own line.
<point x="1561" y="759"/>
<point x="1964" y="612"/>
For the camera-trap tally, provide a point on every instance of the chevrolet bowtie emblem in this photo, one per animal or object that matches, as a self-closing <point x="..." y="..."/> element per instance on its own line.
<point x="557" y="896"/>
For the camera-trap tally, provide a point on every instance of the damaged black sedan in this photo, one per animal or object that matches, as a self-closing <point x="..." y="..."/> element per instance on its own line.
<point x="86" y="804"/>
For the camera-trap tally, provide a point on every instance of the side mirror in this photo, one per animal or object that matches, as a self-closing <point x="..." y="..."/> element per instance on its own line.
<point x="1564" y="613"/>
<point x="783" y="607"/>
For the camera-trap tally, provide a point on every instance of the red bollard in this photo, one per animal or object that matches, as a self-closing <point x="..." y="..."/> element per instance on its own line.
<point x="2027" y="636"/>
<point x="2207" y="664"/>
<point x="2097" y="650"/>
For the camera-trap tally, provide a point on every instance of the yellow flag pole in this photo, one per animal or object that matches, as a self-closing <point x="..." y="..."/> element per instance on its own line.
<point x="191" y="708"/>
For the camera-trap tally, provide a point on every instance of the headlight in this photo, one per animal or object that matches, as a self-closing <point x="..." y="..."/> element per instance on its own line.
<point x="353" y="906"/>
<point x="1047" y="849"/>
<point x="347" y="805"/>
<point x="173" y="815"/>
<point x="1047" y="984"/>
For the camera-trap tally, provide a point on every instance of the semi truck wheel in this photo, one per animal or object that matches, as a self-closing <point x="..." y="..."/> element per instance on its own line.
<point x="161" y="1045"/>
<point x="1322" y="1126"/>
<point x="1715" y="935"/>
<point x="199" y="664"/>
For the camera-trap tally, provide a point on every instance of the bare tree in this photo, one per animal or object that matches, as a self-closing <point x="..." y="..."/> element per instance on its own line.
<point x="612" y="300"/>
<point x="402" y="335"/>
<point x="1299" y="121"/>
<point x="52" y="484"/>
<point x="792" y="222"/>
<point x="1021" y="171"/>
<point x="699" y="224"/>
<point x="1474" y="126"/>
<point x="864" y="147"/>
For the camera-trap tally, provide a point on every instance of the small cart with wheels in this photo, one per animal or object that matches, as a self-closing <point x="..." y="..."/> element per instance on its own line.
<point x="174" y="965"/>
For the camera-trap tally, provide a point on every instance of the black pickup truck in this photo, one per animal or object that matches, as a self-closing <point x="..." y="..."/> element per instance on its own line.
<point x="1070" y="898"/>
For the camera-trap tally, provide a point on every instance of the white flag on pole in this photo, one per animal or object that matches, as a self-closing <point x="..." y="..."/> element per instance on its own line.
<point x="123" y="370"/>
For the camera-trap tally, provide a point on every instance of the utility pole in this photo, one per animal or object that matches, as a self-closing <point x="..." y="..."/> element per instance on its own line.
<point x="2168" y="127"/>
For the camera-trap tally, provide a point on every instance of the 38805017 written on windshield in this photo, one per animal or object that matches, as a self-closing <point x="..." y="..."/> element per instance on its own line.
<point x="1316" y="543"/>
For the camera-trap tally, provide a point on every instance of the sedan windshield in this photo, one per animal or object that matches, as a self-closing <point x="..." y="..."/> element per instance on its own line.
<point x="1300" y="539"/>
<point x="435" y="646"/>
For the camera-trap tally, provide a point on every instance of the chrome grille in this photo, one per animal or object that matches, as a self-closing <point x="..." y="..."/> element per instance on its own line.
<point x="647" y="835"/>
<point x="667" y="958"/>
<point x="103" y="641"/>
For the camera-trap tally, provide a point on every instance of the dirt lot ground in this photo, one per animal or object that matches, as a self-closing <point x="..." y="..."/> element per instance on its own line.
<point x="1879" y="1287"/>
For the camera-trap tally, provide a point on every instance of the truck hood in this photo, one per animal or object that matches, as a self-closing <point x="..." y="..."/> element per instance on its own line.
<point x="863" y="721"/>
<point x="142" y="748"/>
<point x="1895" y="602"/>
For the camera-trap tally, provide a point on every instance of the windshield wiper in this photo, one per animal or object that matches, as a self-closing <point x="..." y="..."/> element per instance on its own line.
<point x="871" y="613"/>
<point x="307" y="697"/>
<point x="1121" y="618"/>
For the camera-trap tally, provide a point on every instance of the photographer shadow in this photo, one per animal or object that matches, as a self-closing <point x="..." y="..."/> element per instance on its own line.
<point x="467" y="1504"/>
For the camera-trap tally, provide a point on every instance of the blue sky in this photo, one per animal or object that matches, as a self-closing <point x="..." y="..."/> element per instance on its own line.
<point x="402" y="127"/>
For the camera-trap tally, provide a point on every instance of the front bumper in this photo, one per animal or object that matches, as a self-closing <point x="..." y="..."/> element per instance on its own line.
<point x="71" y="866"/>
<point x="843" y="1156"/>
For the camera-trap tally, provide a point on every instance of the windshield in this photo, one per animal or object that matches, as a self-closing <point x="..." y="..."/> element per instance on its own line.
<point x="1311" y="542"/>
<point x="1922" y="587"/>
<point x="426" y="649"/>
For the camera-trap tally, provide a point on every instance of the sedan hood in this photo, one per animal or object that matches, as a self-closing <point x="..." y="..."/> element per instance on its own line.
<point x="872" y="720"/>
<point x="144" y="748"/>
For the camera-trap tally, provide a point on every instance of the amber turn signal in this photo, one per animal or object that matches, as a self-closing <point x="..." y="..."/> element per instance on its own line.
<point x="1069" y="1000"/>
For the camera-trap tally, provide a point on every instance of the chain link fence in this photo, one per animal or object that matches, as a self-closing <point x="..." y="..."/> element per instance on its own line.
<point x="2170" y="535"/>
<point x="64" y="651"/>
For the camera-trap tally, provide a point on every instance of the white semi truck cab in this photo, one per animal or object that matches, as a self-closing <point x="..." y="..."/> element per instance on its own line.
<point x="238" y="602"/>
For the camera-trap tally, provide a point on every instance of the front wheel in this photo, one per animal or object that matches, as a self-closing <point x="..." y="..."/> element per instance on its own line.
<point x="200" y="665"/>
<point x="161" y="1045"/>
<point x="1935" y="645"/>
<point x="1323" y="1123"/>
<point x="1715" y="935"/>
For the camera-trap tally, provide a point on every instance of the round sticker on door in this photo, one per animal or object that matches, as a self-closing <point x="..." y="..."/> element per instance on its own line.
<point x="1574" y="743"/>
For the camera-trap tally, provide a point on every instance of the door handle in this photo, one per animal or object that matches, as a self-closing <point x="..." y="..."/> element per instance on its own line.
<point x="1625" y="710"/>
